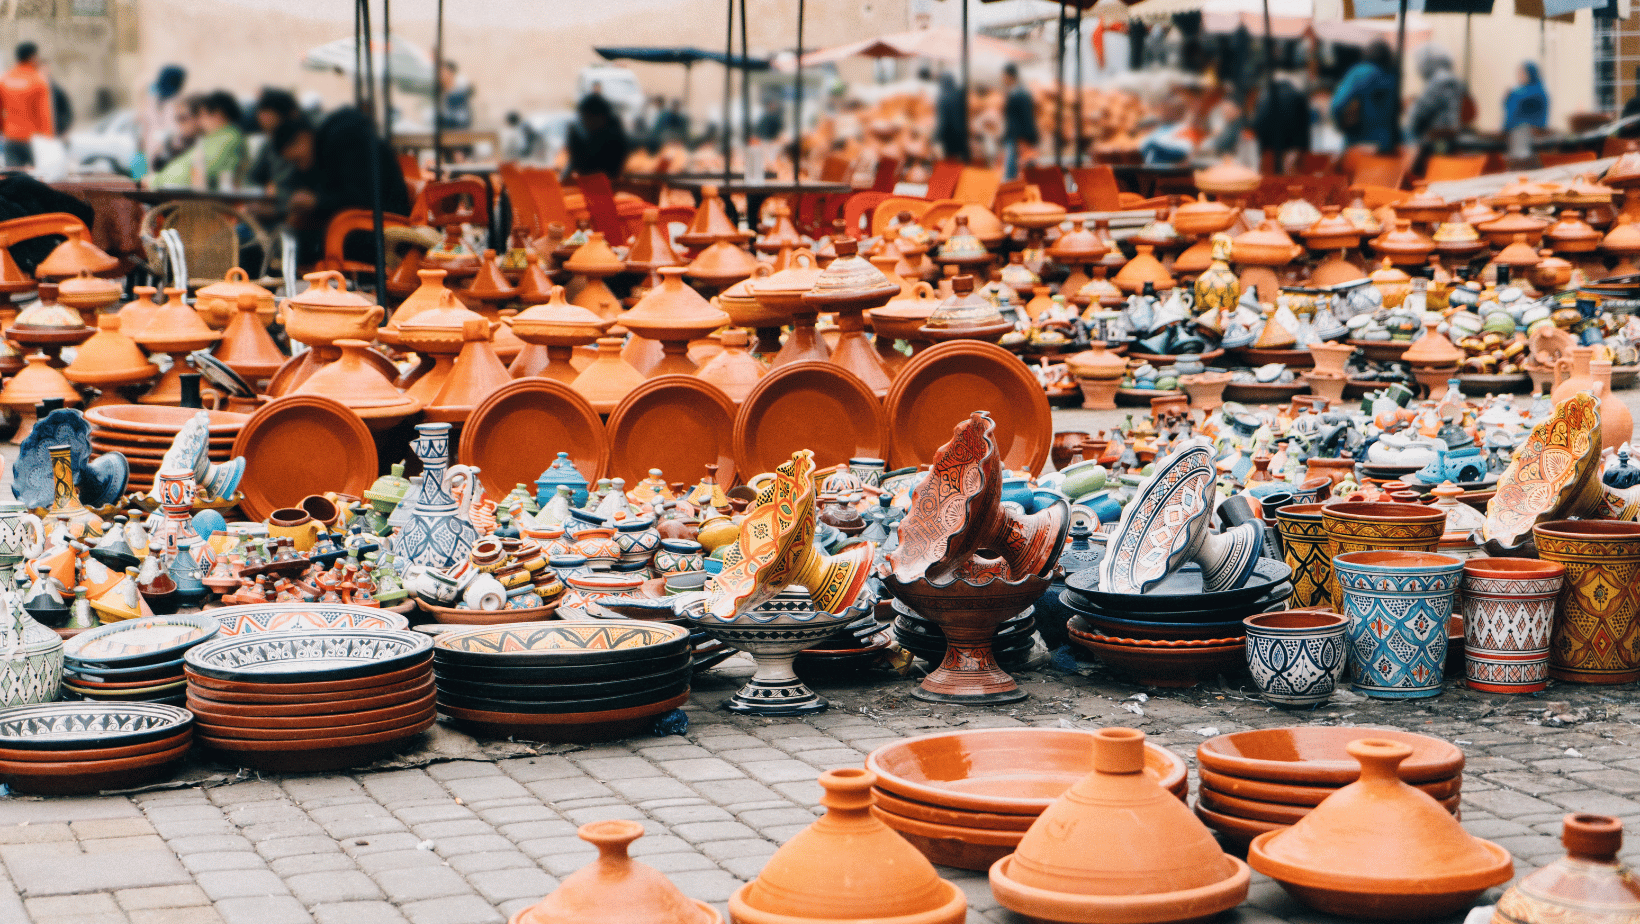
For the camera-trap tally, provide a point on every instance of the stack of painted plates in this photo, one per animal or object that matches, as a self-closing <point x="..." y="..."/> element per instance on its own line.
<point x="142" y="433"/>
<point x="650" y="604"/>
<point x="76" y="748"/>
<point x="857" y="645"/>
<point x="562" y="681"/>
<point x="137" y="660"/>
<point x="277" y="617"/>
<point x="966" y="798"/>
<point x="1175" y="635"/>
<point x="311" y="699"/>
<point x="924" y="638"/>
<point x="1264" y="780"/>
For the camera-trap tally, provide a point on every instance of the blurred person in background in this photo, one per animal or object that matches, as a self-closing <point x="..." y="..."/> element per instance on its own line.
<point x="1525" y="110"/>
<point x="217" y="159"/>
<point x="1019" y="132"/>
<point x="1363" y="105"/>
<point x="456" y="100"/>
<point x="269" y="171"/>
<point x="1438" y="110"/>
<point x="951" y="120"/>
<point x="159" y="119"/>
<point x="597" y="142"/>
<point x="333" y="172"/>
<point x="25" y="106"/>
<point x="1283" y="120"/>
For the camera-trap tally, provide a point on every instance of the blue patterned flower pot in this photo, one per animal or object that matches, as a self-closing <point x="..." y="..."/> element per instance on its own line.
<point x="1398" y="604"/>
<point x="1297" y="656"/>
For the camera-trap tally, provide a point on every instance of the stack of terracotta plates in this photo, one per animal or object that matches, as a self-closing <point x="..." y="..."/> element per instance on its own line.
<point x="136" y="660"/>
<point x="76" y="748"/>
<point x="924" y="638"/>
<point x="563" y="681"/>
<point x="311" y="699"/>
<point x="1264" y="780"/>
<point x="276" y="617"/>
<point x="966" y="798"/>
<point x="143" y="432"/>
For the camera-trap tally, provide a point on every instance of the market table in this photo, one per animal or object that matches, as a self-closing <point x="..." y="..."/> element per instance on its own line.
<point x="756" y="192"/>
<point x="117" y="219"/>
<point x="175" y="193"/>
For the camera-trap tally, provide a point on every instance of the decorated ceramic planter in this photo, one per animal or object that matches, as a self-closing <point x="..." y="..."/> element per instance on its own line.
<point x="1398" y="604"/>
<point x="31" y="668"/>
<point x="1304" y="548"/>
<point x="1596" y="638"/>
<point x="678" y="556"/>
<point x="1362" y="527"/>
<point x="1296" y="657"/>
<point x="1508" y="611"/>
<point x="773" y="632"/>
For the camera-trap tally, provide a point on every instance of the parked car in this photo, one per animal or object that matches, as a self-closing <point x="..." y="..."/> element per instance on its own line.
<point x="109" y="144"/>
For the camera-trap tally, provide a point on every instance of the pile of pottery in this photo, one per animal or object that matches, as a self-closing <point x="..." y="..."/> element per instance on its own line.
<point x="135" y="660"/>
<point x="964" y="799"/>
<point x="562" y="681"/>
<point x="1259" y="781"/>
<point x="145" y="434"/>
<point x="311" y="699"/>
<point x="1012" y="645"/>
<point x="78" y="748"/>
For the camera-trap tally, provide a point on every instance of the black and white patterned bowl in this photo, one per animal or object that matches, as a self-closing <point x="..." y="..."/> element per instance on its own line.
<point x="309" y="655"/>
<point x="84" y="726"/>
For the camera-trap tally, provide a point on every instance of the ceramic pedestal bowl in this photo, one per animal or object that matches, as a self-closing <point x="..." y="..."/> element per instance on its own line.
<point x="1012" y="644"/>
<point x="79" y="748"/>
<point x="969" y="614"/>
<point x="773" y="633"/>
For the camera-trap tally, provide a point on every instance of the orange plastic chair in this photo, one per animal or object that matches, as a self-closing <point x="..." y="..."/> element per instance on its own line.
<point x="834" y="169"/>
<point x="943" y="181"/>
<point x="1378" y="170"/>
<point x="978" y="186"/>
<point x="858" y="206"/>
<point x="600" y="204"/>
<point x="1050" y="184"/>
<point x="353" y="221"/>
<point x="1097" y="186"/>
<point x="546" y="197"/>
<point x="518" y="195"/>
<point x="463" y="200"/>
<point x="1453" y="167"/>
<point x="1007" y="194"/>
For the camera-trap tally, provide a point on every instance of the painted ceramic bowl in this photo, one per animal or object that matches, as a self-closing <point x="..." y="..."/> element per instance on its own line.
<point x="1550" y="476"/>
<point x="274" y="617"/>
<point x="553" y="644"/>
<point x="1315" y="755"/>
<point x="308" y="655"/>
<point x="145" y="640"/>
<point x="1162" y="526"/>
<point x="1180" y="592"/>
<point x="51" y="727"/>
<point x="1296" y="657"/>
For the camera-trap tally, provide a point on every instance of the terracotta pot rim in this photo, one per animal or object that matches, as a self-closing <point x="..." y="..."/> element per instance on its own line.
<point x="989" y="837"/>
<point x="1517" y="569"/>
<point x="953" y="911"/>
<point x="1384" y="512"/>
<point x="1589" y="529"/>
<point x="1300" y="622"/>
<point x="1499" y="871"/>
<point x="1198" y="903"/>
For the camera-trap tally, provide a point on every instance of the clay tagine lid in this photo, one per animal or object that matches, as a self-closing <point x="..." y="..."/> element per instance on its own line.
<point x="246" y="346"/>
<point x="1143" y="268"/>
<point x="616" y="887"/>
<point x="1589" y="885"/>
<point x="1118" y="847"/>
<point x="110" y="357"/>
<point x="1512" y="222"/>
<point x="734" y="370"/>
<point x="358" y="383"/>
<point x="75" y="254"/>
<point x="88" y="291"/>
<point x="1084" y="246"/>
<point x="711" y="222"/>
<point x="1361" y="216"/>
<point x="438" y="329"/>
<point x="1423" y="206"/>
<point x="673" y="311"/>
<point x="136" y="313"/>
<point x="424" y="297"/>
<point x="1297" y="213"/>
<point x="848" y="866"/>
<point x="962" y="245"/>
<point x="965" y="316"/>
<point x="558" y="323"/>
<point x="1033" y="212"/>
<point x="595" y="259"/>
<point x="1518" y="253"/>
<point x="1227" y="178"/>
<point x="477" y="373"/>
<point x="1571" y="233"/>
<point x="1526" y="192"/>
<point x="234" y="283"/>
<point x="48" y="314"/>
<point x="490" y="285"/>
<point x="650" y="248"/>
<point x="850" y="282"/>
<point x="1332" y="231"/>
<point x="783" y="290"/>
<point x="722" y="264"/>
<point x="783" y="233"/>
<point x="36" y="382"/>
<point x="1266" y="245"/>
<point x="1404" y="244"/>
<point x="1388" y="274"/>
<point x="1477" y="212"/>
<point x="175" y="328"/>
<point x="608" y="378"/>
<point x="1204" y="216"/>
<point x="982" y="223"/>
<point x="1344" y="845"/>
<point x="534" y="286"/>
<point x="1584" y="191"/>
<point x="1623" y="238"/>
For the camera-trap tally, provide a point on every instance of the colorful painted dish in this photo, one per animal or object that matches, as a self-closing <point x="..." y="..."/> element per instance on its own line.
<point x="119" y="674"/>
<point x="1162" y="526"/>
<point x="138" y="693"/>
<point x="607" y="725"/>
<point x="100" y="753"/>
<point x="296" y="656"/>
<point x="460" y="616"/>
<point x="364" y="701"/>
<point x="568" y="674"/>
<point x="942" y="385"/>
<point x="1551" y="476"/>
<point x="147" y="640"/>
<point x="86" y="726"/>
<point x="1315" y="755"/>
<point x="525" y="421"/>
<point x="548" y="693"/>
<point x="300" y="445"/>
<point x="809" y="405"/>
<point x="313" y="690"/>
<point x="274" y="617"/>
<point x="562" y="643"/>
<point x="1179" y="595"/>
<point x="677" y="423"/>
<point x="1165" y="663"/>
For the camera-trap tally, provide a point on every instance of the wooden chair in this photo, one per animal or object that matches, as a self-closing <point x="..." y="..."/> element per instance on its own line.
<point x="943" y="181"/>
<point x="1453" y="167"/>
<point x="834" y="169"/>
<point x="978" y="185"/>
<point x="210" y="238"/>
<point x="1097" y="187"/>
<point x="348" y="222"/>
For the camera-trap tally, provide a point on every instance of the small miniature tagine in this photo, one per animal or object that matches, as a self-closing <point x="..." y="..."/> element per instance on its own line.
<point x="615" y="887"/>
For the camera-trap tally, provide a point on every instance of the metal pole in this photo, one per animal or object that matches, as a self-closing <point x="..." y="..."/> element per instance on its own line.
<point x="745" y="81"/>
<point x="1400" y="57"/>
<point x="1059" y="95"/>
<point x="1076" y="156"/>
<point x="438" y="95"/>
<point x="965" y="55"/>
<point x="797" y="119"/>
<point x="377" y="228"/>
<point x="1468" y="47"/>
<point x="358" y="61"/>
<point x="387" y="73"/>
<point x="728" y="55"/>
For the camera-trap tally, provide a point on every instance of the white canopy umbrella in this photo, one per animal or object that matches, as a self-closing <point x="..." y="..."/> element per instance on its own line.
<point x="941" y="43"/>
<point x="412" y="68"/>
<point x="1288" y="19"/>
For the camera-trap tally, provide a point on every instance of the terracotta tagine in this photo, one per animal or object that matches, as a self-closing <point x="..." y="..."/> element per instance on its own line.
<point x="962" y="247"/>
<point x="175" y="329"/>
<point x="89" y="295"/>
<point x="608" y="378"/>
<point x="35" y="383"/>
<point x="1143" y="268"/>
<point x="1551" y="272"/>
<point x="1501" y="231"/>
<point x="1518" y="255"/>
<point x="424" y="297"/>
<point x="1342" y="858"/>
<point x="780" y="294"/>
<point x="848" y="866"/>
<point x="745" y="311"/>
<point x="615" y="887"/>
<point x="477" y="373"/>
<point x="1202" y="217"/>
<point x="1589" y="885"/>
<point x="1227" y="178"/>
<point x="436" y="333"/>
<point x="1332" y="231"/>
<point x="722" y="265"/>
<point x="651" y="249"/>
<point x="965" y="316"/>
<point x="246" y="347"/>
<point x="1525" y="192"/>
<point x="1404" y="246"/>
<point x="849" y="287"/>
<point x="322" y="314"/>
<point x="1265" y="245"/>
<point x="673" y="314"/>
<point x="781" y="233"/>
<point x="1571" y="234"/>
<point x="980" y="223"/>
<point x="75" y="254"/>
<point x="1423" y="206"/>
<point x="553" y="331"/>
<point x="711" y="223"/>
<point x="594" y="262"/>
<point x="109" y="358"/>
<point x="361" y="386"/>
<point x="1083" y="246"/>
<point x="1118" y="847"/>
<point x="489" y="288"/>
<point x="1297" y="213"/>
<point x="218" y="303"/>
<point x="735" y="370"/>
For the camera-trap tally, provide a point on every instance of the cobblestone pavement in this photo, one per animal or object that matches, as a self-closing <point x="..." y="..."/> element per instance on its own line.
<point x="473" y="841"/>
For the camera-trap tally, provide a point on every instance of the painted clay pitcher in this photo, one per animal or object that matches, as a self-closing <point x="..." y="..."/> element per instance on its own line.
<point x="435" y="536"/>
<point x="21" y="534"/>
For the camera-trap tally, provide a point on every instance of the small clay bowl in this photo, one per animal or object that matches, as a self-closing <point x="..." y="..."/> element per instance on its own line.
<point x="323" y="686"/>
<point x="308" y="723"/>
<point x="948" y="845"/>
<point x="362" y="704"/>
<point x="1314" y="755"/>
<point x="303" y="734"/>
<point x="1265" y="791"/>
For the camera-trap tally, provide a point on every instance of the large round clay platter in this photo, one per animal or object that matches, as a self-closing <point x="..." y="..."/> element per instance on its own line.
<point x="417" y="671"/>
<point x="942" y="385"/>
<point x="300" y="445"/>
<point x="609" y="723"/>
<point x="275" y="617"/>
<point x="516" y="432"/>
<point x="676" y="423"/>
<point x="159" y="420"/>
<point x="1316" y="756"/>
<point x="562" y="643"/>
<point x="145" y="640"/>
<point x="808" y="405"/>
<point x="308" y="655"/>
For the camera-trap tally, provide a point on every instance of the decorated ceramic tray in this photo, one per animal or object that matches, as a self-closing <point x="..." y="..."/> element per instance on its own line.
<point x="273" y="617"/>
<point x="1163" y="524"/>
<point x="1179" y="592"/>
<point x="562" y="643"/>
<point x="146" y="640"/>
<point x="1552" y="475"/>
<point x="942" y="385"/>
<point x="810" y="405"/>
<point x="88" y="726"/>
<point x="304" y="655"/>
<point x="300" y="445"/>
<point x="528" y="420"/>
<point x="677" y="423"/>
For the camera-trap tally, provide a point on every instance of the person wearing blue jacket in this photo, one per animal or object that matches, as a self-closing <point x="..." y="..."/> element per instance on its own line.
<point x="1363" y="105"/>
<point x="1528" y="102"/>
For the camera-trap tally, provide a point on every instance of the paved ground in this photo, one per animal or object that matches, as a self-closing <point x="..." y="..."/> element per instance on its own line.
<point x="473" y="841"/>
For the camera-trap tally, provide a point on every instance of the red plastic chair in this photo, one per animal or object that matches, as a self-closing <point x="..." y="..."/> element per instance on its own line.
<point x="943" y="181"/>
<point x="888" y="173"/>
<point x="1050" y="183"/>
<point x="600" y="200"/>
<point x="353" y="221"/>
<point x="1097" y="186"/>
<point x="463" y="200"/>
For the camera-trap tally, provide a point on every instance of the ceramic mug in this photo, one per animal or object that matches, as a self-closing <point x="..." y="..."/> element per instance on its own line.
<point x="484" y="592"/>
<point x="295" y="524"/>
<point x="1296" y="657"/>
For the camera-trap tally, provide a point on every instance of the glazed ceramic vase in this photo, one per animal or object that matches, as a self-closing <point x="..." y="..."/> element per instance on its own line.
<point x="1118" y="847"/>
<point x="848" y="866"/>
<point x="1589" y="885"/>
<point x="1296" y="657"/>
<point x="435" y="536"/>
<point x="773" y="633"/>
<point x="31" y="658"/>
<point x="1365" y="527"/>
<point x="1596" y="638"/>
<point x="1380" y="849"/>
<point x="174" y="489"/>
<point x="616" y="887"/>
<point x="22" y="535"/>
<point x="1304" y="549"/>
<point x="1508" y="611"/>
<point x="1398" y="605"/>
<point x="65" y="500"/>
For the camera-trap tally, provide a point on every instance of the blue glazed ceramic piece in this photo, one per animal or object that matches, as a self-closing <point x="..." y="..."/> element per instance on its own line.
<point x="1398" y="604"/>
<point x="31" y="479"/>
<point x="102" y="481"/>
<point x="1164" y="524"/>
<point x="561" y="472"/>
<point x="1296" y="657"/>
<point x="435" y="536"/>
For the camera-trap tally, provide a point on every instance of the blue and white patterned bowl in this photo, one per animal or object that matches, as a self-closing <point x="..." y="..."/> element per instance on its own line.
<point x="309" y="655"/>
<point x="1297" y="656"/>
<point x="82" y="726"/>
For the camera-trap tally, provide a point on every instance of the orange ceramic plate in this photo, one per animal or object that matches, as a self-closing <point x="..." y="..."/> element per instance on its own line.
<point x="942" y="385"/>
<point x="809" y="405"/>
<point x="676" y="423"/>
<point x="300" y="445"/>
<point x="515" y="433"/>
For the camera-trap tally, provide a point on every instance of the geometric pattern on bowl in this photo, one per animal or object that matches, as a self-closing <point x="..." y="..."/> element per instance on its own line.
<point x="605" y="640"/>
<point x="1552" y="475"/>
<point x="1398" y="616"/>
<point x="301" y="655"/>
<point x="86" y="726"/>
<point x="1507" y="624"/>
<point x="274" y="617"/>
<point x="141" y="638"/>
<point x="1162" y="526"/>
<point x="1296" y="671"/>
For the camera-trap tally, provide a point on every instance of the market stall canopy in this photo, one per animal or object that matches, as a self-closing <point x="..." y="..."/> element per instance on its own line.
<point x="412" y="68"/>
<point x="681" y="55"/>
<point x="940" y="43"/>
<point x="1288" y="19"/>
<point x="1557" y="10"/>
